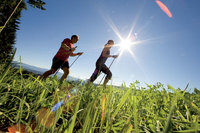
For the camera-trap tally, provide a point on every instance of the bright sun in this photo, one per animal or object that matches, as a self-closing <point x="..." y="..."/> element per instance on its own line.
<point x="125" y="44"/>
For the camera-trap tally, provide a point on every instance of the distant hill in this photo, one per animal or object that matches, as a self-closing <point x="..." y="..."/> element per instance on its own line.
<point x="38" y="70"/>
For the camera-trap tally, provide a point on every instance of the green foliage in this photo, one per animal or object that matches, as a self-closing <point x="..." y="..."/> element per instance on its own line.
<point x="37" y="3"/>
<point x="94" y="109"/>
<point x="8" y="34"/>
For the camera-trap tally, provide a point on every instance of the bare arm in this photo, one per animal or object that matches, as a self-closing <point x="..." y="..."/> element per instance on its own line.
<point x="108" y="55"/>
<point x="71" y="50"/>
<point x="65" y="47"/>
<point x="75" y="54"/>
<point x="104" y="53"/>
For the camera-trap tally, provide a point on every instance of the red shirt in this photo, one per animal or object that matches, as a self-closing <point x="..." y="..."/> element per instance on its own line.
<point x="62" y="53"/>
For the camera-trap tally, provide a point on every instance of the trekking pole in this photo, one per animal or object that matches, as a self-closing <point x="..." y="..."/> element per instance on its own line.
<point x="109" y="68"/>
<point x="74" y="61"/>
<point x="69" y="66"/>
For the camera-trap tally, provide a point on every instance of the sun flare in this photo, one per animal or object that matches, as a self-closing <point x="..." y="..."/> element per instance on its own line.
<point x="125" y="44"/>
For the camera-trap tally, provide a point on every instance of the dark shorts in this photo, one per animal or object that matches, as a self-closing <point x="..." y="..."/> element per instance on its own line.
<point x="57" y="63"/>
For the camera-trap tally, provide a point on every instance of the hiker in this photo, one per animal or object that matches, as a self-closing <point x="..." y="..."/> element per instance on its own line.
<point x="60" y="60"/>
<point x="100" y="64"/>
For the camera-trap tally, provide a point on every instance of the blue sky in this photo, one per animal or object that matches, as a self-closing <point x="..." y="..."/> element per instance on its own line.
<point x="168" y="52"/>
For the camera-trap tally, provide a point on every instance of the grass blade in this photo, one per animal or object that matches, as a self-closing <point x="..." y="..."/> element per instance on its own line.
<point x="71" y="127"/>
<point x="122" y="101"/>
<point x="7" y="66"/>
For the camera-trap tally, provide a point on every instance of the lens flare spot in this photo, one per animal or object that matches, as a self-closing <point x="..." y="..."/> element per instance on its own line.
<point x="164" y="8"/>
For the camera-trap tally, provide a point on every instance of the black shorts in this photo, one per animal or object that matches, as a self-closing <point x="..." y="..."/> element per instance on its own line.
<point x="57" y="63"/>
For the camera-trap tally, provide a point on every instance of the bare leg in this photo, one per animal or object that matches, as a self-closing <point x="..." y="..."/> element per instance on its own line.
<point x="105" y="82"/>
<point x="66" y="73"/>
<point x="47" y="73"/>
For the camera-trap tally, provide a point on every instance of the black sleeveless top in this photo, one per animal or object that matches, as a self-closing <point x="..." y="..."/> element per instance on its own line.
<point x="101" y="59"/>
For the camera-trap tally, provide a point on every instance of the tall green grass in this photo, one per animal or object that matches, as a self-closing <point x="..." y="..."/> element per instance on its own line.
<point x="94" y="109"/>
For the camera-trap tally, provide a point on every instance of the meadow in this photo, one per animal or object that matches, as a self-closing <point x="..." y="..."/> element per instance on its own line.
<point x="92" y="109"/>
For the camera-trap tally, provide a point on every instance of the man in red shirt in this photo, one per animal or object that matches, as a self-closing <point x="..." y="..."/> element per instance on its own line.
<point x="61" y="58"/>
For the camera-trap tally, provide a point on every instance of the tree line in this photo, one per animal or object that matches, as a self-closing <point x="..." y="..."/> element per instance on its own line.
<point x="8" y="34"/>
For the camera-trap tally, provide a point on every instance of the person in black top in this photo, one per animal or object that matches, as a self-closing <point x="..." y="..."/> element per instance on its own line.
<point x="100" y="63"/>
